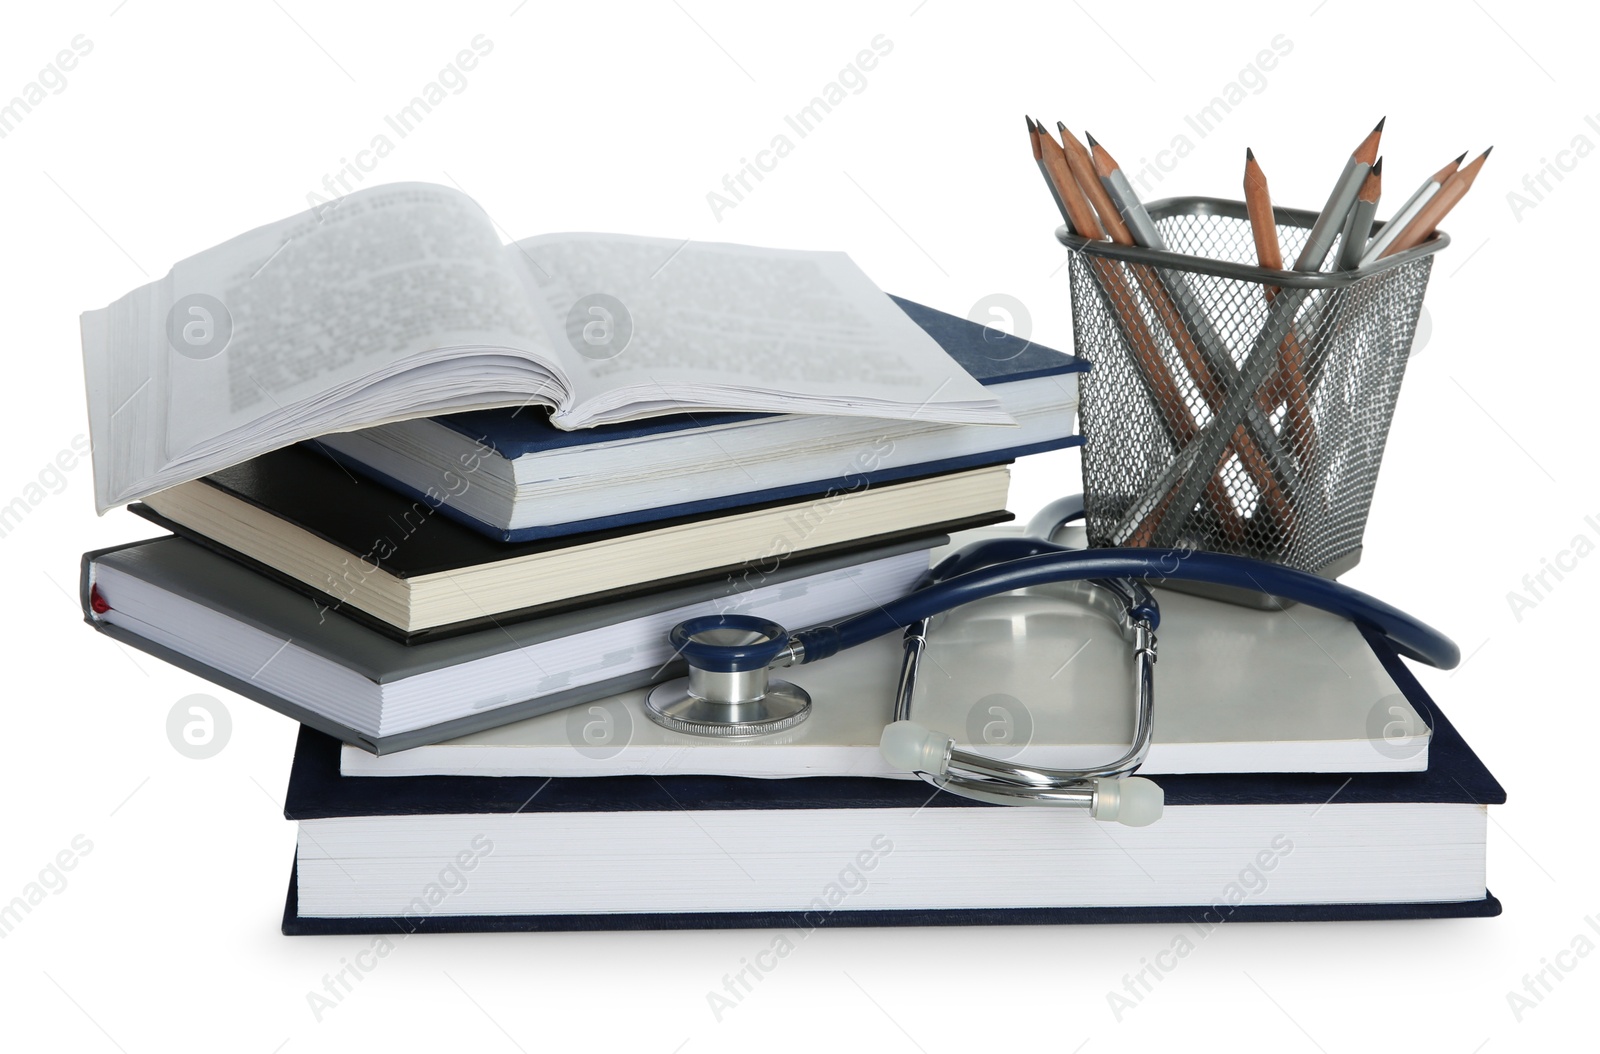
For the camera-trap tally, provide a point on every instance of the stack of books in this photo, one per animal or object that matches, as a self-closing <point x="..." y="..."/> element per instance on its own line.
<point x="463" y="609"/>
<point x="1307" y="777"/>
<point x="346" y="581"/>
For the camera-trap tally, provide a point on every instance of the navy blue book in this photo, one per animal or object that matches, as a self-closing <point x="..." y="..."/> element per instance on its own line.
<point x="458" y="853"/>
<point x="516" y="477"/>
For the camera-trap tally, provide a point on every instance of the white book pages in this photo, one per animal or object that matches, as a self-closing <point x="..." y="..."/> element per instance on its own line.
<point x="647" y="321"/>
<point x="358" y="311"/>
<point x="400" y="301"/>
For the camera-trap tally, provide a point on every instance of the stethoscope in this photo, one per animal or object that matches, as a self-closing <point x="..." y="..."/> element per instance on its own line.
<point x="729" y="691"/>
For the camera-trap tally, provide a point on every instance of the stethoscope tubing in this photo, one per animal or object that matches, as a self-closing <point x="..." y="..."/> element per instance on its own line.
<point x="1049" y="563"/>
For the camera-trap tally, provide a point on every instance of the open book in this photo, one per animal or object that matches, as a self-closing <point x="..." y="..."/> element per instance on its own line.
<point x="400" y="301"/>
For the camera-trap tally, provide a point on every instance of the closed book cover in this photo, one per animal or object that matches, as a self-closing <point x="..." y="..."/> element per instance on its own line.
<point x="1240" y="690"/>
<point x="375" y="531"/>
<point x="274" y="634"/>
<point x="993" y="357"/>
<point x="316" y="791"/>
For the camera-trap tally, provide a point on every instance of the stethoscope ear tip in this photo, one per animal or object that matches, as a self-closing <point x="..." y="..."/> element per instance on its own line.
<point x="909" y="747"/>
<point x="1133" y="801"/>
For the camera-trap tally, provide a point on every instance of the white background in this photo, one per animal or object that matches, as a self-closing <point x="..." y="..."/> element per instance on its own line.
<point x="187" y="124"/>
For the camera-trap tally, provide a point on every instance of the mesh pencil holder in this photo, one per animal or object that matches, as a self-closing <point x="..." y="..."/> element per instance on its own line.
<point x="1231" y="408"/>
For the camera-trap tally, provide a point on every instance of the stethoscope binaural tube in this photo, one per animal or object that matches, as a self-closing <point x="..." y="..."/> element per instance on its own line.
<point x="1108" y="791"/>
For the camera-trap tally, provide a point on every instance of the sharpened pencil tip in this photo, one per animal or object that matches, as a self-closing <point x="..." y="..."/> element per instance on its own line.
<point x="1462" y="156"/>
<point x="1379" y="126"/>
<point x="1088" y="135"/>
<point x="1377" y="169"/>
<point x="1486" y="152"/>
<point x="1025" y="117"/>
<point x="1249" y="155"/>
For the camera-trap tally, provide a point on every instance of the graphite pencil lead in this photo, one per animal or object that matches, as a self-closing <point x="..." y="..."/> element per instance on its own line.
<point x="1463" y="156"/>
<point x="1089" y="137"/>
<point x="1249" y="155"/>
<point x="1379" y="126"/>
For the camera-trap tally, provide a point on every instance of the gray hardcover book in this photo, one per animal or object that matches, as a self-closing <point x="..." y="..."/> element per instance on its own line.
<point x="202" y="612"/>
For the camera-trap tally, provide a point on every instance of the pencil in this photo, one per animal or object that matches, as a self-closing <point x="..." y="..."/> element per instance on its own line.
<point x="1331" y="220"/>
<point x="1367" y="152"/>
<point x="1081" y="216"/>
<point x="1212" y="445"/>
<point x="1426" y="221"/>
<point x="1127" y="203"/>
<point x="1159" y="381"/>
<point x="1404" y="213"/>
<point x="1038" y="157"/>
<point x="1289" y="383"/>
<point x="1181" y="325"/>
<point x="1082" y="166"/>
<point x="1353" y="242"/>
<point x="1263" y="225"/>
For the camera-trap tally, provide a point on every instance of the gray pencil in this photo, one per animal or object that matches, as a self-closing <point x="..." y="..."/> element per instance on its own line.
<point x="1140" y="225"/>
<point x="1331" y="220"/>
<point x="1353" y="242"/>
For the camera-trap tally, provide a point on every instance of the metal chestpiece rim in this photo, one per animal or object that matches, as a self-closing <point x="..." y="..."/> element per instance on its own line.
<point x="728" y="692"/>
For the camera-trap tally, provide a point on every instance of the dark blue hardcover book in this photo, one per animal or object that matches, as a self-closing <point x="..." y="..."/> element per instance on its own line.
<point x="317" y="791"/>
<point x="992" y="356"/>
<point x="1204" y="916"/>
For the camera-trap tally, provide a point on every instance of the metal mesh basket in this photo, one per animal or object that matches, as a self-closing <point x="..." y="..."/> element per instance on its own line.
<point x="1231" y="408"/>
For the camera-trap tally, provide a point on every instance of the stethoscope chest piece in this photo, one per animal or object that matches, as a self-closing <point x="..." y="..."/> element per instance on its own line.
<point x="728" y="692"/>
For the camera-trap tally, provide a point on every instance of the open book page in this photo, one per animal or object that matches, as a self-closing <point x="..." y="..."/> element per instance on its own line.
<point x="648" y="326"/>
<point x="300" y="327"/>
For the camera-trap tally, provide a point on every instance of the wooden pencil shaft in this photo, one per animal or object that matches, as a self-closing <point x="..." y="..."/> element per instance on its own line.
<point x="1367" y="151"/>
<point x="1427" y="219"/>
<point x="1082" y="168"/>
<point x="1263" y="227"/>
<point x="1082" y="217"/>
<point x="1044" y="170"/>
<point x="1055" y="195"/>
<point x="1289" y="384"/>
